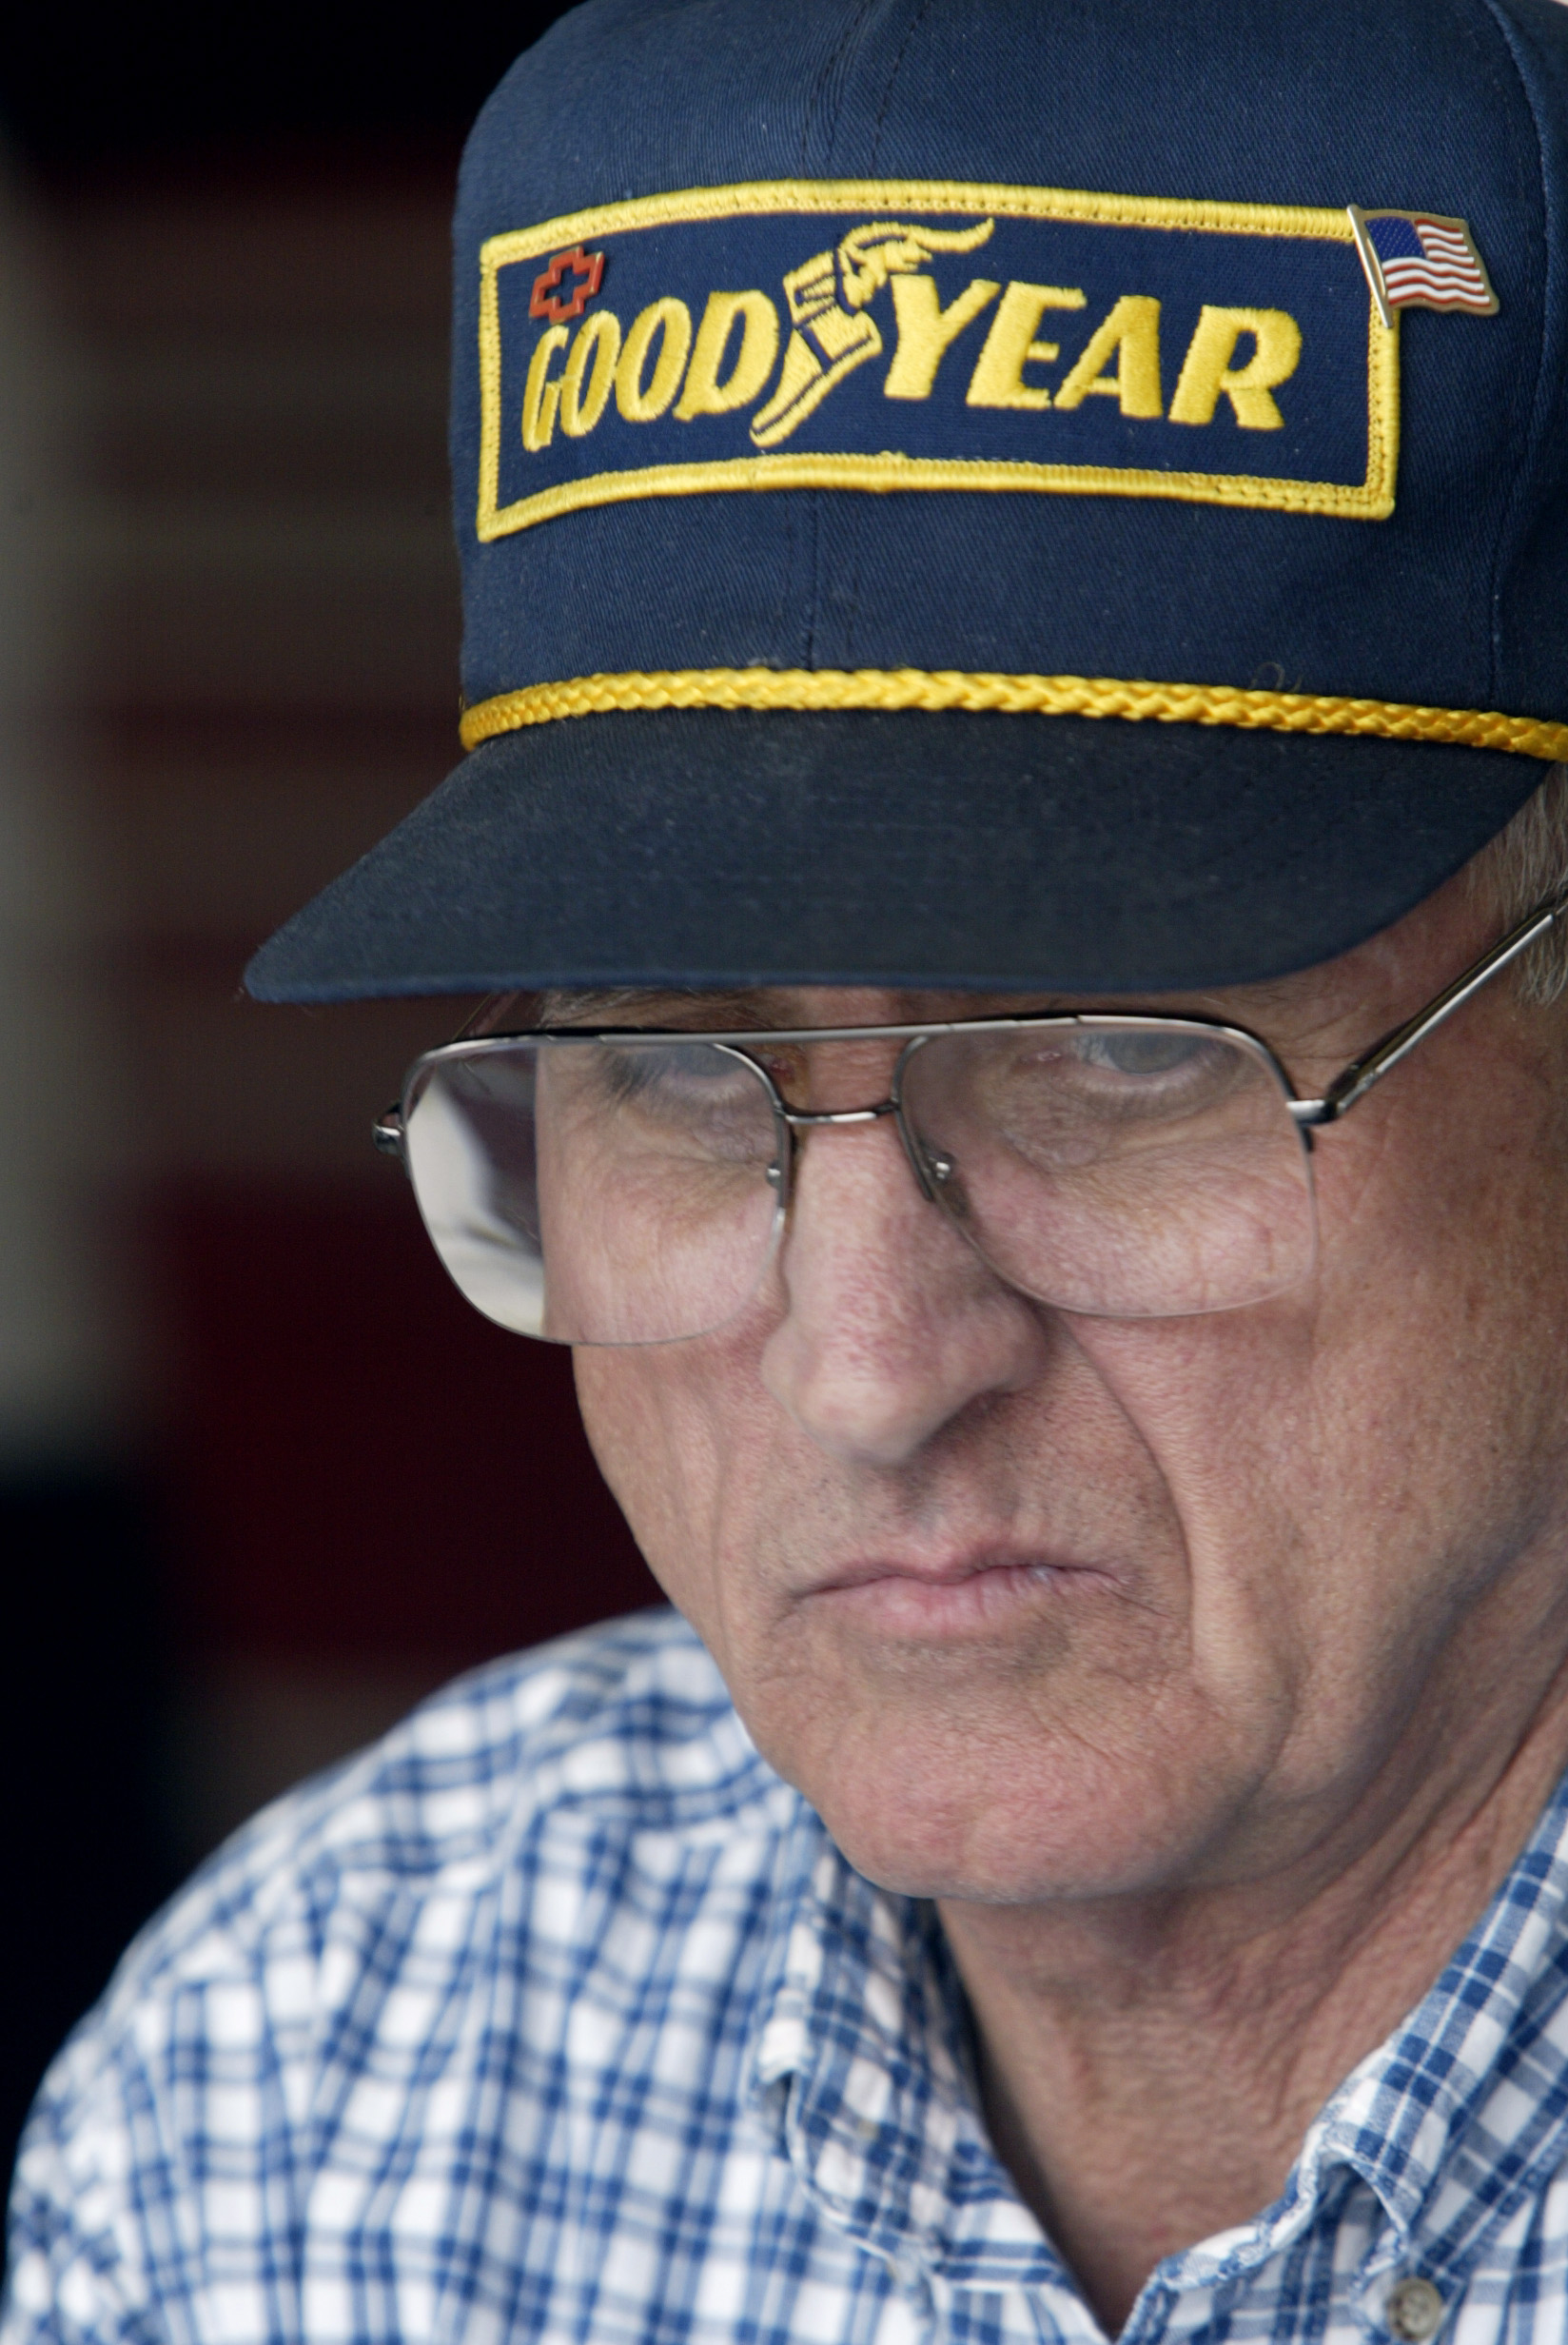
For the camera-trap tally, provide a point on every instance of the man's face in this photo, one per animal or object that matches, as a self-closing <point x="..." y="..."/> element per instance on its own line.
<point x="1037" y="1606"/>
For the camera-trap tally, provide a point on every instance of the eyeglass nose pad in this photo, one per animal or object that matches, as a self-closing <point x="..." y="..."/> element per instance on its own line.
<point x="932" y="1169"/>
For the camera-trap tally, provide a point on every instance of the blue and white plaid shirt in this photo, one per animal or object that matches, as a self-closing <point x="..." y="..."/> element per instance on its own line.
<point x="558" y="2016"/>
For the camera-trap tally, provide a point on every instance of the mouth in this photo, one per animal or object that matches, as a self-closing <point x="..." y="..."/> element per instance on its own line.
<point x="956" y="1596"/>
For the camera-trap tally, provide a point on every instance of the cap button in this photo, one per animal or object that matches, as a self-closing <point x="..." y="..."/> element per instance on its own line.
<point x="1414" y="2310"/>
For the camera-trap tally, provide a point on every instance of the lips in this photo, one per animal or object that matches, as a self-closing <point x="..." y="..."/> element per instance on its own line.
<point x="956" y="1595"/>
<point x="952" y="1571"/>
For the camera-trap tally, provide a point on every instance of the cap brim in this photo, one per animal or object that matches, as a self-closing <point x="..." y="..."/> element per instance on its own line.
<point x="705" y="847"/>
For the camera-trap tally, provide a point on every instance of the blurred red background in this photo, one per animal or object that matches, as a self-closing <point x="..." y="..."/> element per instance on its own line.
<point x="264" y="1478"/>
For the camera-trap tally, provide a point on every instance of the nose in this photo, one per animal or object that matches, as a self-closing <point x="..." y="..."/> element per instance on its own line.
<point x="891" y="1324"/>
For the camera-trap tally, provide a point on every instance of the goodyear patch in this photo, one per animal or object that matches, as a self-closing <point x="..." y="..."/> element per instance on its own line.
<point x="894" y="335"/>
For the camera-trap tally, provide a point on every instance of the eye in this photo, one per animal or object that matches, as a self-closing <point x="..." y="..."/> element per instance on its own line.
<point x="1146" y="1051"/>
<point x="694" y="1099"/>
<point x="699" y="1076"/>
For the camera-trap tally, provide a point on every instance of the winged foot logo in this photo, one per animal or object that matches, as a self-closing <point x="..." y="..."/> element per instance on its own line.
<point x="832" y="332"/>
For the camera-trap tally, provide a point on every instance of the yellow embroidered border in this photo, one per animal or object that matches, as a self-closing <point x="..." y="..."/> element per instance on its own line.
<point x="1049" y="695"/>
<point x="749" y="198"/>
<point x="1369" y="500"/>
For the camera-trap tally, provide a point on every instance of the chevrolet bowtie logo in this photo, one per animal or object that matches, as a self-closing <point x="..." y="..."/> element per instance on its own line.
<point x="587" y="266"/>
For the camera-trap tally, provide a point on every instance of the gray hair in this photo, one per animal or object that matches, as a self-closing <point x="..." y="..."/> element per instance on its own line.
<point x="1519" y="868"/>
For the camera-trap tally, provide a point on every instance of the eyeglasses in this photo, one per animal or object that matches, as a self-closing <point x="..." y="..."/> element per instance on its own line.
<point x="614" y="1186"/>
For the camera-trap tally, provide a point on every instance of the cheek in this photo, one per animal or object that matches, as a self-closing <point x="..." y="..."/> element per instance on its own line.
<point x="1445" y="1272"/>
<point x="1386" y="1448"/>
<point x="667" y="1424"/>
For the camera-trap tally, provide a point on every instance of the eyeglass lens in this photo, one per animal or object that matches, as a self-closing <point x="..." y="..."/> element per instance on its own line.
<point x="630" y="1192"/>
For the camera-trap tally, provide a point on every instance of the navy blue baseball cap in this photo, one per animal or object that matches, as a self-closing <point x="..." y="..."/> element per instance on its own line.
<point x="1062" y="494"/>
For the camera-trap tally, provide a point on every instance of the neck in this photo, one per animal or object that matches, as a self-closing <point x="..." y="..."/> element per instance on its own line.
<point x="1150" y="2064"/>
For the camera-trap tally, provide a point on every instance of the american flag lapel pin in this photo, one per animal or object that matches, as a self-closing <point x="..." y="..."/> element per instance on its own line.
<point x="1420" y="260"/>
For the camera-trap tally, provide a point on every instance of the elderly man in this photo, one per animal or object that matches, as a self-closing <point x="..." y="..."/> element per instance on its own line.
<point x="1015" y="565"/>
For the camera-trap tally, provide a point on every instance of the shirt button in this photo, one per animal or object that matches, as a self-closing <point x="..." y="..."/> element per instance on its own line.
<point x="1414" y="2310"/>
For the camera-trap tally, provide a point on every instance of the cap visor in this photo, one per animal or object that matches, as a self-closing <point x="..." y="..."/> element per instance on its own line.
<point x="704" y="847"/>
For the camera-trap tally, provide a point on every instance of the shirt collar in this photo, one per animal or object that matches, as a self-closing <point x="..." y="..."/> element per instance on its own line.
<point x="861" y="2070"/>
<point x="862" y="2073"/>
<point x="1463" y="2110"/>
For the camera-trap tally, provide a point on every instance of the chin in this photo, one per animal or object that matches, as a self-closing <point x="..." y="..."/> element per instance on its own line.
<point x="1001" y="1834"/>
<point x="982" y="1870"/>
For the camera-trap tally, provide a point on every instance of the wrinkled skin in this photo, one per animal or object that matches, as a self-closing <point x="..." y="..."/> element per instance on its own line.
<point x="1205" y="1669"/>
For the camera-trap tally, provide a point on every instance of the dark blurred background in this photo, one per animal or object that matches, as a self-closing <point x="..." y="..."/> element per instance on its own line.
<point x="264" y="1478"/>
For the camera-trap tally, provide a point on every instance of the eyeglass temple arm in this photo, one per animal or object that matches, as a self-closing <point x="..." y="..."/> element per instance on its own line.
<point x="1374" y="1064"/>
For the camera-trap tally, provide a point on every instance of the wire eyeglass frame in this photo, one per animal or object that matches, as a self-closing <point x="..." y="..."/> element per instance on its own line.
<point x="929" y="1167"/>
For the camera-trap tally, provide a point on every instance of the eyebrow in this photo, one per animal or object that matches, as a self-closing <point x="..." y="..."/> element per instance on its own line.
<point x="655" y="1006"/>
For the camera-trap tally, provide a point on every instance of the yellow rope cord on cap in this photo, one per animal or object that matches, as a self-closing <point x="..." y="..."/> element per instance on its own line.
<point x="1015" y="696"/>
